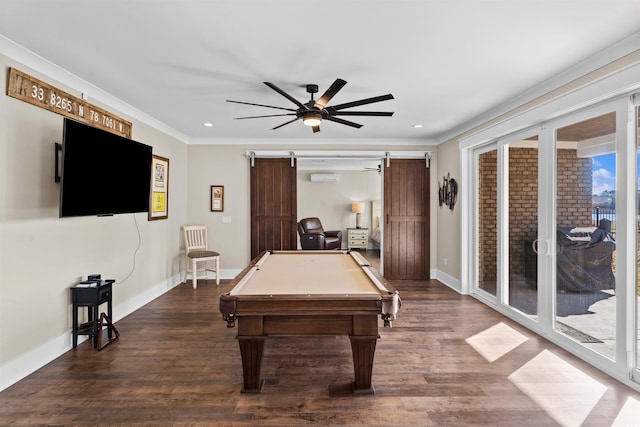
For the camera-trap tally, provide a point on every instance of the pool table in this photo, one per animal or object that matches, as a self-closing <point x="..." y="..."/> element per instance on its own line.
<point x="309" y="293"/>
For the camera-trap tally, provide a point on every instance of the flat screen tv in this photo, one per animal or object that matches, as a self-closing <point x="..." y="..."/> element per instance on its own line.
<point x="102" y="173"/>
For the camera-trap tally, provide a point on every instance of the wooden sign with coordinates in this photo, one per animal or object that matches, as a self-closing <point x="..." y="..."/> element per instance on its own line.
<point x="29" y="89"/>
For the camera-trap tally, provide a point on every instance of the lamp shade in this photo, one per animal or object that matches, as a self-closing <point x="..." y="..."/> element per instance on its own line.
<point x="357" y="207"/>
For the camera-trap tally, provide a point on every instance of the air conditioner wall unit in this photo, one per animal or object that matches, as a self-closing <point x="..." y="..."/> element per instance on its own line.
<point x="324" y="177"/>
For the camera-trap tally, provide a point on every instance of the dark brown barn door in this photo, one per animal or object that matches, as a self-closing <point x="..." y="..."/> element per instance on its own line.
<point x="406" y="216"/>
<point x="273" y="205"/>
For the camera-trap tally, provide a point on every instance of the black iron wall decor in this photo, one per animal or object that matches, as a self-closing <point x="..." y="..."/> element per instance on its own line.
<point x="448" y="192"/>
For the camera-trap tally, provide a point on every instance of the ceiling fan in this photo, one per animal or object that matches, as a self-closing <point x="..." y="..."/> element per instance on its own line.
<point x="313" y="112"/>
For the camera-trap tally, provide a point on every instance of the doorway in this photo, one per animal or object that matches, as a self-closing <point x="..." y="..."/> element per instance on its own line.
<point x="314" y="197"/>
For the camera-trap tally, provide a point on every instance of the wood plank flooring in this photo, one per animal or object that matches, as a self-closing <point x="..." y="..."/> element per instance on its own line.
<point x="177" y="364"/>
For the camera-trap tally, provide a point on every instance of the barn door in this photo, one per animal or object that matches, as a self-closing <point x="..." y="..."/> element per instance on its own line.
<point x="273" y="205"/>
<point x="406" y="219"/>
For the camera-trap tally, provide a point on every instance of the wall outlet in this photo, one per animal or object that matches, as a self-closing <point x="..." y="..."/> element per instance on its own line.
<point x="445" y="261"/>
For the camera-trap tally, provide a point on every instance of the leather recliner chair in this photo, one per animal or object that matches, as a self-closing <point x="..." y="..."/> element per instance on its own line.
<point x="313" y="236"/>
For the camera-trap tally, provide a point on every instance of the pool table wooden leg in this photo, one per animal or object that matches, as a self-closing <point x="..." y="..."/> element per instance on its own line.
<point x="363" y="349"/>
<point x="251" y="349"/>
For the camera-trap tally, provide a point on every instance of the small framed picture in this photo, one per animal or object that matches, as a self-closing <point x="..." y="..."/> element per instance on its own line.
<point x="217" y="198"/>
<point x="159" y="203"/>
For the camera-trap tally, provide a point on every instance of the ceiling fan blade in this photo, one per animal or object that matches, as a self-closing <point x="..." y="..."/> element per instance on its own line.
<point x="286" y="95"/>
<point x="344" y="122"/>
<point x="330" y="93"/>
<point x="315" y="128"/>
<point x="290" y="121"/>
<point x="359" y="113"/>
<point x="269" y="115"/>
<point x="361" y="102"/>
<point x="260" y="105"/>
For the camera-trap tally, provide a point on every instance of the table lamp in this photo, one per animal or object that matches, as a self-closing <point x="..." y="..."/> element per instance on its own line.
<point x="358" y="209"/>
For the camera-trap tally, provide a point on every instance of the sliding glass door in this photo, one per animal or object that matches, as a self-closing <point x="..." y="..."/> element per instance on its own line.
<point x="586" y="229"/>
<point x="507" y="233"/>
<point x="522" y="224"/>
<point x="556" y="214"/>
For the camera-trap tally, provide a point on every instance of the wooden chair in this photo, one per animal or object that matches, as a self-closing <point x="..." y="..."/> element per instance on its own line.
<point x="195" y="242"/>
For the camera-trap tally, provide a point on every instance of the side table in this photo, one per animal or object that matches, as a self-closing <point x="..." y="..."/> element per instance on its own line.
<point x="357" y="238"/>
<point x="91" y="295"/>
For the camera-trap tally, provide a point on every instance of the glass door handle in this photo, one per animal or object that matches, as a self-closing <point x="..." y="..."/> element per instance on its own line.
<point x="535" y="245"/>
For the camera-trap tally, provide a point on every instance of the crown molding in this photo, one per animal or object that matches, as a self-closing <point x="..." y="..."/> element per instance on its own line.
<point x="85" y="89"/>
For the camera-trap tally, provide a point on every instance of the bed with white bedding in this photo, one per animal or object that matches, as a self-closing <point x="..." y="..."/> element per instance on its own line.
<point x="376" y="232"/>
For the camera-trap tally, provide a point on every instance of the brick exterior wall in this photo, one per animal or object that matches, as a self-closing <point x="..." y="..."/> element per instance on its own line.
<point x="573" y="204"/>
<point x="487" y="223"/>
<point x="574" y="190"/>
<point x="523" y="206"/>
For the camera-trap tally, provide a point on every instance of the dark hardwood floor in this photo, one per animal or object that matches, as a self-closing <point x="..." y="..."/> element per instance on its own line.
<point x="176" y="363"/>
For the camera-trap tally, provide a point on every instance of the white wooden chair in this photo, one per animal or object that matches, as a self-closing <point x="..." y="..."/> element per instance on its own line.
<point x="195" y="242"/>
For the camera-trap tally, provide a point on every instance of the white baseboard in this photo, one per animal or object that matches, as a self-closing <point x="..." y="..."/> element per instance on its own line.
<point x="229" y="274"/>
<point x="18" y="368"/>
<point x="224" y="274"/>
<point x="450" y="281"/>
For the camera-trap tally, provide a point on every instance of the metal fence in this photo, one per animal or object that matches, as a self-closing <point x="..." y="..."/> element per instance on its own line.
<point x="599" y="214"/>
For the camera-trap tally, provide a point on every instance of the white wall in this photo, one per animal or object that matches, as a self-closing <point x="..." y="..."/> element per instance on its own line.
<point x="42" y="256"/>
<point x="447" y="237"/>
<point x="229" y="231"/>
<point x="227" y="166"/>
<point x="331" y="201"/>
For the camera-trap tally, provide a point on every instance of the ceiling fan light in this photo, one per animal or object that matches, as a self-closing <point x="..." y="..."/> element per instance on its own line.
<point x="312" y="119"/>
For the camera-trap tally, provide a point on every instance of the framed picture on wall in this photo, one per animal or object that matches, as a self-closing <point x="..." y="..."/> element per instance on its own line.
<point x="217" y="198"/>
<point x="159" y="203"/>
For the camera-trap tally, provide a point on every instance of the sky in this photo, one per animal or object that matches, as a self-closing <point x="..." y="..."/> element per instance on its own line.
<point x="604" y="173"/>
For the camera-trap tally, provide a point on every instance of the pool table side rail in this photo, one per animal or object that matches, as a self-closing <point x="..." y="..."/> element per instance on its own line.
<point x="349" y="306"/>
<point x="386" y="302"/>
<point x="374" y="276"/>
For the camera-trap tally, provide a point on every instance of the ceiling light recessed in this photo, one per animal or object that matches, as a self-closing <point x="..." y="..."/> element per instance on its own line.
<point x="207" y="124"/>
<point x="417" y="126"/>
